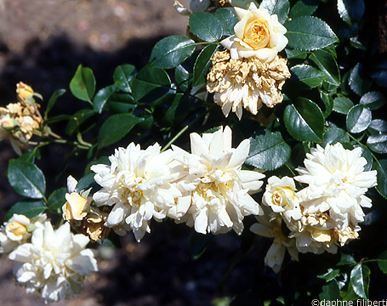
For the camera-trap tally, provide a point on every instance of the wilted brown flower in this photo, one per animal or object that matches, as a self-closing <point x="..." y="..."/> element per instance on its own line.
<point x="246" y="82"/>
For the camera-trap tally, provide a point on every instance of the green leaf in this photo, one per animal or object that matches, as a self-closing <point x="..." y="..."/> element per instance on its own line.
<point x="227" y="19"/>
<point x="177" y="112"/>
<point x="295" y="54"/>
<point x="356" y="80"/>
<point x="26" y="179"/>
<point x="82" y="121"/>
<point x="303" y="8"/>
<point x="358" y="119"/>
<point x="360" y="278"/>
<point x="328" y="103"/>
<point x="102" y="97"/>
<point x="278" y="7"/>
<point x="330" y="292"/>
<point x="342" y="105"/>
<point x="82" y="84"/>
<point x="326" y="62"/>
<point x="122" y="77"/>
<point x="121" y="103"/>
<point x="383" y="262"/>
<point x="330" y="274"/>
<point x="205" y="26"/>
<point x="368" y="156"/>
<point x="198" y="244"/>
<point x="373" y="100"/>
<point x="304" y="121"/>
<point x="268" y="152"/>
<point x="56" y="200"/>
<point x="346" y="259"/>
<point x="87" y="181"/>
<point x="52" y="100"/>
<point x="334" y="135"/>
<point x="308" y="75"/>
<point x="183" y="77"/>
<point x="115" y="127"/>
<point x="202" y="64"/>
<point x="171" y="51"/>
<point x="378" y="143"/>
<point x="29" y="155"/>
<point x="150" y="84"/>
<point x="378" y="126"/>
<point x="381" y="168"/>
<point x="29" y="208"/>
<point x="309" y="33"/>
<point x="350" y="11"/>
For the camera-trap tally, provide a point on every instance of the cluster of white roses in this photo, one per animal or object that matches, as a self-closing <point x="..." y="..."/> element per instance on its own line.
<point x="322" y="215"/>
<point x="206" y="188"/>
<point x="54" y="263"/>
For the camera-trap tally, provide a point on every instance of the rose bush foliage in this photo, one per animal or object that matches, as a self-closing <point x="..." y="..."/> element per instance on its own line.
<point x="298" y="85"/>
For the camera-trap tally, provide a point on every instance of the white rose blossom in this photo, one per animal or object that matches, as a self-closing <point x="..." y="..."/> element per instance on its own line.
<point x="18" y="230"/>
<point x="215" y="187"/>
<point x="256" y="34"/>
<point x="337" y="184"/>
<point x="269" y="225"/>
<point x="138" y="184"/>
<point x="55" y="263"/>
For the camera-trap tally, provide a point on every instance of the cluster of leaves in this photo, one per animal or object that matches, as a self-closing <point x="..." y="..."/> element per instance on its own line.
<point x="335" y="94"/>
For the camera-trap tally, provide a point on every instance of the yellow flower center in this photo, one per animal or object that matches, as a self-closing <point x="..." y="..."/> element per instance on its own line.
<point x="257" y="34"/>
<point x="16" y="228"/>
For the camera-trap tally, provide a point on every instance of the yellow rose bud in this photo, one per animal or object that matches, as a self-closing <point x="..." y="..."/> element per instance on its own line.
<point x="16" y="228"/>
<point x="23" y="90"/>
<point x="76" y="207"/>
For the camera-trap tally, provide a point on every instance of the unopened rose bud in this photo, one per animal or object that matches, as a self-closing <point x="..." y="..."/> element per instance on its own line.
<point x="23" y="90"/>
<point x="76" y="207"/>
<point x="16" y="228"/>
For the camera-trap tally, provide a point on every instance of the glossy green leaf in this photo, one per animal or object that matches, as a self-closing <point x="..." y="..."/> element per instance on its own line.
<point x="328" y="103"/>
<point x="378" y="143"/>
<point x="309" y="76"/>
<point x="351" y="11"/>
<point x="183" y="77"/>
<point x="381" y="168"/>
<point x="360" y="278"/>
<point x="369" y="158"/>
<point x="303" y="8"/>
<point x="176" y="112"/>
<point x="122" y="77"/>
<point x="202" y="64"/>
<point x="373" y="100"/>
<point x="28" y="208"/>
<point x="383" y="262"/>
<point x="268" y="151"/>
<point x="88" y="181"/>
<point x="334" y="135"/>
<point x="227" y="19"/>
<point x="52" y="100"/>
<point x="357" y="80"/>
<point x="304" y="121"/>
<point x="29" y="155"/>
<point x="205" y="26"/>
<point x="309" y="33"/>
<point x="326" y="62"/>
<point x="56" y="200"/>
<point x="295" y="54"/>
<point x="330" y="292"/>
<point x="150" y="84"/>
<point x="346" y="259"/>
<point x="102" y="97"/>
<point x="330" y="274"/>
<point x="82" y="121"/>
<point x="358" y="119"/>
<point x="378" y="126"/>
<point x="342" y="105"/>
<point x="198" y="244"/>
<point x="82" y="84"/>
<point x="278" y="7"/>
<point x="115" y="127"/>
<point x="171" y="51"/>
<point x="26" y="179"/>
<point x="121" y="103"/>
